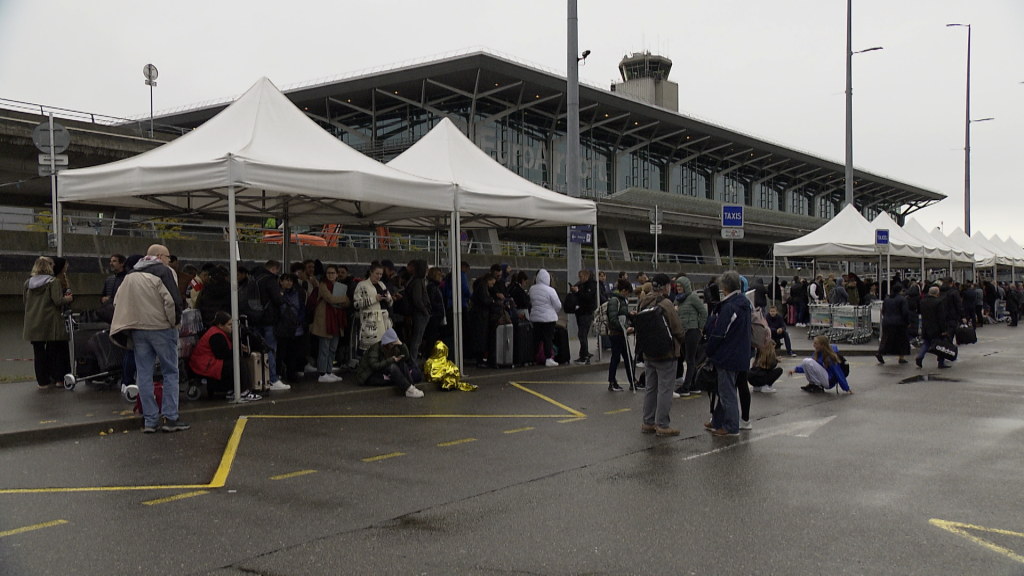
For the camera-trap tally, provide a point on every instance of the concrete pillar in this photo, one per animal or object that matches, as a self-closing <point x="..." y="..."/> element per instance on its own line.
<point x="488" y="237"/>
<point x="709" y="249"/>
<point x="616" y="241"/>
<point x="717" y="187"/>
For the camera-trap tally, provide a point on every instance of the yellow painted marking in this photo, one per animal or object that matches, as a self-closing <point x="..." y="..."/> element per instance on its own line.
<point x="292" y="474"/>
<point x="571" y="420"/>
<point x="513" y="431"/>
<point x="619" y="411"/>
<point x="387" y="416"/>
<point x="557" y="382"/>
<point x="454" y="442"/>
<point x="32" y="527"/>
<point x="576" y="413"/>
<point x="229" y="454"/>
<point x="175" y="497"/>
<point x="47" y="421"/>
<point x="959" y="529"/>
<point x="383" y="457"/>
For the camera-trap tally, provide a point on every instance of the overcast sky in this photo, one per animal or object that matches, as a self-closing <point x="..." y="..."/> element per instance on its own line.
<point x="774" y="69"/>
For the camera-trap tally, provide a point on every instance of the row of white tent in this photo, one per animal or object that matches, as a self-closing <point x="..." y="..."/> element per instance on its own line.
<point x="262" y="156"/>
<point x="850" y="236"/>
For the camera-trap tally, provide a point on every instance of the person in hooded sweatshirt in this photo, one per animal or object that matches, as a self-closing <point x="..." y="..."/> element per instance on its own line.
<point x="44" y="327"/>
<point x="693" y="314"/>
<point x="544" y="309"/>
<point x="147" y="311"/>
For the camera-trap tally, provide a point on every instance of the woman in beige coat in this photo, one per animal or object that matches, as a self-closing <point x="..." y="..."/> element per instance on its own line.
<point x="44" y="327"/>
<point x="368" y="298"/>
<point x="327" y="326"/>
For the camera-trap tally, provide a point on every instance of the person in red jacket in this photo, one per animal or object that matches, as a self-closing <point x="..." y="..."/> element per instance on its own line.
<point x="211" y="359"/>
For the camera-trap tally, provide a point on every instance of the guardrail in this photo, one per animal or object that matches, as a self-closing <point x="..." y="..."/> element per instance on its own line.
<point x="169" y="228"/>
<point x="140" y="126"/>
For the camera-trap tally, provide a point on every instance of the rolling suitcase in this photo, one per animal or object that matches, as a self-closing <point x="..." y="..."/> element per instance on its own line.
<point x="259" y="372"/>
<point x="522" y="344"/>
<point x="503" y="346"/>
<point x="561" y="347"/>
<point x="790" y="315"/>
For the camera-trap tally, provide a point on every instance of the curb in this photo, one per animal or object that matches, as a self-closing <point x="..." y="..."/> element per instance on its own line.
<point x="276" y="405"/>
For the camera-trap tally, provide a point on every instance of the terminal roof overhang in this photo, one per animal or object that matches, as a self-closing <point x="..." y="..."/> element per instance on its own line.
<point x="488" y="82"/>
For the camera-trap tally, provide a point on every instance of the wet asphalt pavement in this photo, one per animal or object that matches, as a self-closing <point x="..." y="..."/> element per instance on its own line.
<point x="510" y="480"/>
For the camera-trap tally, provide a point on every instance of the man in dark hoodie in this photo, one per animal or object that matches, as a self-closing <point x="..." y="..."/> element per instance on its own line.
<point x="147" y="311"/>
<point x="269" y="289"/>
<point x="586" y="304"/>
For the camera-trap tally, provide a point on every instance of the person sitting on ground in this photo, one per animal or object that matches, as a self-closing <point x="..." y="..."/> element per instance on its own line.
<point x="211" y="359"/>
<point x="763" y="375"/>
<point x="387" y="363"/>
<point x="780" y="334"/>
<point x="823" y="369"/>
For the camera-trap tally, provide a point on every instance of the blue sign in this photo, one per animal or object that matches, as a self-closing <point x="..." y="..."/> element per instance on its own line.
<point x="732" y="216"/>
<point x="881" y="237"/>
<point x="580" y="236"/>
<point x="582" y="228"/>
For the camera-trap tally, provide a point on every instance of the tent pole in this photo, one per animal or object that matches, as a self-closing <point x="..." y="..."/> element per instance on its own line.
<point x="922" y="271"/>
<point x="286" y="240"/>
<point x="233" y="265"/>
<point x="775" y="277"/>
<point x="456" y="258"/>
<point x="888" y="275"/>
<point x="597" y="277"/>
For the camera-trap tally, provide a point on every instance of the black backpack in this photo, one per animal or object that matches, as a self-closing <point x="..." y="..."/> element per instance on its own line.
<point x="249" y="302"/>
<point x="653" y="336"/>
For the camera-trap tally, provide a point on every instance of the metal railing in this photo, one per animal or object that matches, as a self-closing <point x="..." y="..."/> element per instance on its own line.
<point x="138" y="125"/>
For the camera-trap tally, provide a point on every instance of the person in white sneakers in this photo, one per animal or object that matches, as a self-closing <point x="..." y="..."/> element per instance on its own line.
<point x="765" y="372"/>
<point x="544" y="307"/>
<point x="387" y="363"/>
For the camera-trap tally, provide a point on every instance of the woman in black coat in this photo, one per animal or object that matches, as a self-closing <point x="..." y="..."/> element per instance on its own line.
<point x="482" y="327"/>
<point x="913" y="297"/>
<point x="895" y="324"/>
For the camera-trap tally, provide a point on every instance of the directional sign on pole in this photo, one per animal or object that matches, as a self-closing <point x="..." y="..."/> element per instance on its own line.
<point x="58" y="159"/>
<point x="655" y="228"/>
<point x="732" y="216"/>
<point x="882" y="241"/>
<point x="732" y="233"/>
<point x="581" y="234"/>
<point x="45" y="170"/>
<point x="41" y="138"/>
<point x="655" y="216"/>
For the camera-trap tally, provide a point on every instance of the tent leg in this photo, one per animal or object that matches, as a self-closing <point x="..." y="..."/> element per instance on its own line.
<point x="775" y="278"/>
<point x="233" y="265"/>
<point x="888" y="275"/>
<point x="597" y="276"/>
<point x="286" y="240"/>
<point x="456" y="259"/>
<point x="922" y="272"/>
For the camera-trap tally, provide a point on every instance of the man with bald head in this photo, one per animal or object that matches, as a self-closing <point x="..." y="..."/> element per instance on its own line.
<point x="147" y="311"/>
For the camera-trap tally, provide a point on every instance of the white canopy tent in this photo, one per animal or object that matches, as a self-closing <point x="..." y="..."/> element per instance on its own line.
<point x="1002" y="257"/>
<point x="915" y="229"/>
<point x="983" y="258"/>
<point x="260" y="156"/>
<point x="485" y="190"/>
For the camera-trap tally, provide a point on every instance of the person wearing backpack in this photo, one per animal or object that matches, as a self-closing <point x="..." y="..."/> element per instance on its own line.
<point x="269" y="293"/>
<point x="660" y="335"/>
<point x="617" y="312"/>
<point x="728" y="350"/>
<point x="692" y="315"/>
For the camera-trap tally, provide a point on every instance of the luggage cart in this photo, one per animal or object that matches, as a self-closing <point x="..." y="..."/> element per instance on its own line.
<point x="821" y="320"/>
<point x="94" y="358"/>
<point x="851" y="324"/>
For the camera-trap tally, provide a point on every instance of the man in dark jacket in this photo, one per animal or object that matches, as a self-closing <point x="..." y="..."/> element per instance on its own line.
<point x="728" y="334"/>
<point x="1013" y="303"/>
<point x="777" y="326"/>
<point x="269" y="289"/>
<point x="954" y="306"/>
<point x="586" y="304"/>
<point x="660" y="371"/>
<point x="933" y="323"/>
<point x="798" y="295"/>
<point x="117" y="273"/>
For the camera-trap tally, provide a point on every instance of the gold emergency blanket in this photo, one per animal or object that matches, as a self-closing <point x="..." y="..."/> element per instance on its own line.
<point x="439" y="369"/>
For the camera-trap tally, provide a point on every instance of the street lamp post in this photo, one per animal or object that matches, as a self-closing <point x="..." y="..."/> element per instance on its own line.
<point x="848" y="198"/>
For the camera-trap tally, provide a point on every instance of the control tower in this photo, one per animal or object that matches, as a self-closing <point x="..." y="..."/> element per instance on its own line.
<point x="645" y="77"/>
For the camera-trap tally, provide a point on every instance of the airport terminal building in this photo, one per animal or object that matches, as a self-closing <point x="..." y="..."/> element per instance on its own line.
<point x="637" y="150"/>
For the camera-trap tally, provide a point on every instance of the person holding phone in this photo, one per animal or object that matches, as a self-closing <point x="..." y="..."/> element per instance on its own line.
<point x="386" y="363"/>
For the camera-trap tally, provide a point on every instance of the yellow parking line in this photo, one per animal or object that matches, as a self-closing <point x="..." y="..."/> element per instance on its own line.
<point x="558" y="382"/>
<point x="175" y="497"/>
<point x="383" y="457"/>
<point x="619" y="411"/>
<point x="959" y="529"/>
<point x="32" y="527"/>
<point x="387" y="416"/>
<point x="229" y="454"/>
<point x="576" y="413"/>
<point x="454" y="442"/>
<point x="571" y="420"/>
<point x="519" y="430"/>
<point x="292" y="474"/>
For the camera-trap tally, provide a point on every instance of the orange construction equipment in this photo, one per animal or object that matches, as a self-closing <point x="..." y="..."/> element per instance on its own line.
<point x="274" y="237"/>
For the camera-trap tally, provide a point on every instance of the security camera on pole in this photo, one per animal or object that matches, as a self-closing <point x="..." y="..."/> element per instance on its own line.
<point x="732" y="226"/>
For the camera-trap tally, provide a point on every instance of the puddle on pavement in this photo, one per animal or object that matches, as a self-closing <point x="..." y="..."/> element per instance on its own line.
<point x="927" y="378"/>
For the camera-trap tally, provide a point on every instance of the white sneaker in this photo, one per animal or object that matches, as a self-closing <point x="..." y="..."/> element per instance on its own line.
<point x="550" y="362"/>
<point x="413" y="392"/>
<point x="278" y="385"/>
<point x="745" y="425"/>
<point x="310" y="368"/>
<point x="676" y="396"/>
<point x="768" y="390"/>
<point x="639" y="364"/>
<point x="757" y="389"/>
<point x="329" y="379"/>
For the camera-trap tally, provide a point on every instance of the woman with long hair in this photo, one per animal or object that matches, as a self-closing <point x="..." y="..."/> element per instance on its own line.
<point x="765" y="371"/>
<point x="823" y="369"/>
<point x="44" y="326"/>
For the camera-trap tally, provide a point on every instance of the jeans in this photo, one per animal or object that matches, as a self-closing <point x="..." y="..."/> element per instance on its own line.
<point x="802" y="313"/>
<point x="727" y="409"/>
<point x="328" y="348"/>
<point x="661" y="379"/>
<point x="583" y="322"/>
<point x="784" y="337"/>
<point x="419" y="326"/>
<point x="620" y="349"/>
<point x="268" y="335"/>
<point x="149" y="346"/>
<point x="397" y="376"/>
<point x="925" y="345"/>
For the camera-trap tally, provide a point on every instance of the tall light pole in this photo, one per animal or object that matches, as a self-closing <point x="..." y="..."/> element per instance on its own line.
<point x="848" y="198"/>
<point x="574" y="251"/>
<point x="967" y="135"/>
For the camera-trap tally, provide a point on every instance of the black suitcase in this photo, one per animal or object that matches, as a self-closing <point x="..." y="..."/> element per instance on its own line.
<point x="966" y="335"/>
<point x="562" y="354"/>
<point x="524" y="353"/>
<point x="108" y="356"/>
